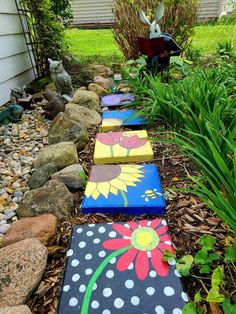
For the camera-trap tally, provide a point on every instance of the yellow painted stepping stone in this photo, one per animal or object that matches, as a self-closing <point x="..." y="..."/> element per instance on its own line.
<point x="130" y="146"/>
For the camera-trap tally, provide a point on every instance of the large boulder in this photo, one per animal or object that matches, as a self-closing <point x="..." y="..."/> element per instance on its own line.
<point x="103" y="82"/>
<point x="20" y="309"/>
<point x="73" y="177"/>
<point x="22" y="265"/>
<point x="83" y="115"/>
<point x="65" y="129"/>
<point x="43" y="228"/>
<point x="99" y="90"/>
<point x="61" y="154"/>
<point x="41" y="175"/>
<point x="53" y="197"/>
<point x="102" y="70"/>
<point x="87" y="99"/>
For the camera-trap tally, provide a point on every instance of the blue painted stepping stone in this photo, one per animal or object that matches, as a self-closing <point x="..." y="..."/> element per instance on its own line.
<point x="126" y="189"/>
<point x="118" y="268"/>
<point x="112" y="120"/>
<point x="116" y="100"/>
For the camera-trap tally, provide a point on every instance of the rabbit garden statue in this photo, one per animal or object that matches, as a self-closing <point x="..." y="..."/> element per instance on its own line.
<point x="61" y="78"/>
<point x="160" y="46"/>
<point x="54" y="105"/>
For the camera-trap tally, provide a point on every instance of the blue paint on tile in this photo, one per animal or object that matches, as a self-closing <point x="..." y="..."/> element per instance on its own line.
<point x="127" y="189"/>
<point x="116" y="100"/>
<point x="135" y="281"/>
<point x="126" y="116"/>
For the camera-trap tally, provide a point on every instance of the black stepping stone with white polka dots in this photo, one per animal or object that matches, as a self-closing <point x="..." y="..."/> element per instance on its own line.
<point x="118" y="268"/>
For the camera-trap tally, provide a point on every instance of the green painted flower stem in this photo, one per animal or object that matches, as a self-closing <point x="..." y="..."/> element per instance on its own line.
<point x="97" y="273"/>
<point x="124" y="198"/>
<point x="111" y="149"/>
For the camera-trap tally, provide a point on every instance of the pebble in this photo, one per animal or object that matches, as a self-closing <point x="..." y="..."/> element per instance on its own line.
<point x="4" y="228"/>
<point x="19" y="145"/>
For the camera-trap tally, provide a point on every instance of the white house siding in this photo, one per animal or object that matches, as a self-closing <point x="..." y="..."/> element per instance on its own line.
<point x="15" y="66"/>
<point x="99" y="11"/>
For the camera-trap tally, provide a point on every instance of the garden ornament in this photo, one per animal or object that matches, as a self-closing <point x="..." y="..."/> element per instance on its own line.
<point x="159" y="47"/>
<point x="11" y="114"/>
<point x="21" y="97"/>
<point x="61" y="78"/>
<point x="54" y="105"/>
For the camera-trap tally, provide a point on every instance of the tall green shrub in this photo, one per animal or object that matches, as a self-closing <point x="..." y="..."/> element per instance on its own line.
<point x="179" y="19"/>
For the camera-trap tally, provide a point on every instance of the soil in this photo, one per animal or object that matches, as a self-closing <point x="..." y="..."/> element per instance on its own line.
<point x="188" y="218"/>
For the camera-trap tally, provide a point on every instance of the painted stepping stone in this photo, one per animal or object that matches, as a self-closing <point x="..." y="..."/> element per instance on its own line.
<point x="118" y="268"/>
<point x="112" y="120"/>
<point x="125" y="189"/>
<point x="117" y="77"/>
<point x="116" y="100"/>
<point x="130" y="146"/>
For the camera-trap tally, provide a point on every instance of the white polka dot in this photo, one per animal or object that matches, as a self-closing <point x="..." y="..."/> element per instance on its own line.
<point x="110" y="274"/>
<point x="113" y="260"/>
<point x="131" y="266"/>
<point x="101" y="230"/>
<point x="177" y="273"/>
<point x="89" y="233"/>
<point x="129" y="284"/>
<point x="177" y="311"/>
<point x="112" y="234"/>
<point x="106" y="312"/>
<point x="168" y="242"/>
<point x="150" y="290"/>
<point x="79" y="230"/>
<point x="66" y="288"/>
<point x="102" y="253"/>
<point x="91" y="225"/>
<point x="107" y="292"/>
<point x="159" y="309"/>
<point x="82" y="244"/>
<point x="95" y="286"/>
<point x="74" y="263"/>
<point x="152" y="274"/>
<point x="164" y="222"/>
<point x="95" y="304"/>
<point x="171" y="261"/>
<point x="70" y="253"/>
<point x="96" y="241"/>
<point x="169" y="291"/>
<point x="88" y="257"/>
<point x="82" y="288"/>
<point x="135" y="300"/>
<point x="73" y="302"/>
<point x="75" y="277"/>
<point x="184" y="296"/>
<point x="118" y="303"/>
<point x="88" y="271"/>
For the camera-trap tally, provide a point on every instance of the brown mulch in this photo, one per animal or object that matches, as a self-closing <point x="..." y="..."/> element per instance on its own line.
<point x="188" y="218"/>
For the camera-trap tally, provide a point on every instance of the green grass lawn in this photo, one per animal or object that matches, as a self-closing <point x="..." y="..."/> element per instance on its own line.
<point x="99" y="45"/>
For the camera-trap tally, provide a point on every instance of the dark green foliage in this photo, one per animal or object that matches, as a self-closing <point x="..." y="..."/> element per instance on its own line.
<point x="62" y="10"/>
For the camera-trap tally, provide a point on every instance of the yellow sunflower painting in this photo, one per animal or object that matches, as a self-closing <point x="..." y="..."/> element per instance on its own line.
<point x="113" y="179"/>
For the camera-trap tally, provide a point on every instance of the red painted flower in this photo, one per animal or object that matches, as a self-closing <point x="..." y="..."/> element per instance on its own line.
<point x="110" y="138"/>
<point x="132" y="142"/>
<point x="147" y="241"/>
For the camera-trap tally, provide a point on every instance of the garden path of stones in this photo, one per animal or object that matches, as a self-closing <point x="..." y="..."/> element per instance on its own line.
<point x="40" y="171"/>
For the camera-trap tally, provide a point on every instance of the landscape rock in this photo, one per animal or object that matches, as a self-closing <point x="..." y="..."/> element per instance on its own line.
<point x="4" y="228"/>
<point x="20" y="309"/>
<point x="43" y="228"/>
<point x="101" y="70"/>
<point x="97" y="89"/>
<point x="65" y="129"/>
<point x="53" y="197"/>
<point x="62" y="154"/>
<point x="41" y="175"/>
<point x="73" y="177"/>
<point x="83" y="115"/>
<point x="22" y="265"/>
<point x="87" y="99"/>
<point x="103" y="82"/>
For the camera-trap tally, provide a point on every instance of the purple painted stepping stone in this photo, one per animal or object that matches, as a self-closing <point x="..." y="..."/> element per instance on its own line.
<point x="116" y="100"/>
<point x="117" y="268"/>
<point x="124" y="189"/>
